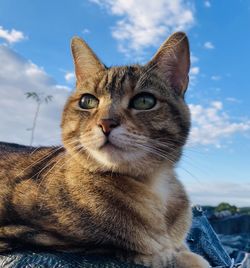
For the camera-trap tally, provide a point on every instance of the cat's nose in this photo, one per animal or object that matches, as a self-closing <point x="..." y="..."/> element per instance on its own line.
<point x="107" y="125"/>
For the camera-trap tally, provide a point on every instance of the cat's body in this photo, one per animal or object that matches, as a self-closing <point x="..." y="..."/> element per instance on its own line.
<point x="85" y="208"/>
<point x="112" y="186"/>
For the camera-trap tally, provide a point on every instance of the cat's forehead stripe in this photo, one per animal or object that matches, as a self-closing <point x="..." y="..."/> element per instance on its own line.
<point x="115" y="80"/>
<point x="112" y="82"/>
<point x="125" y="78"/>
<point x="103" y="81"/>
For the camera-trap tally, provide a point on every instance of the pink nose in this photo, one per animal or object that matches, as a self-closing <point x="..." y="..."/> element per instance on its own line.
<point x="107" y="125"/>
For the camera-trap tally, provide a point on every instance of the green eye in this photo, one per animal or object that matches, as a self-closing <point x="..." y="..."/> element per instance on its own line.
<point x="88" y="101"/>
<point x="143" y="101"/>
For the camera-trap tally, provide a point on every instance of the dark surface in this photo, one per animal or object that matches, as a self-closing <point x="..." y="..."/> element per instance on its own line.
<point x="12" y="146"/>
<point x="201" y="239"/>
<point x="236" y="245"/>
<point x="237" y="224"/>
<point x="62" y="260"/>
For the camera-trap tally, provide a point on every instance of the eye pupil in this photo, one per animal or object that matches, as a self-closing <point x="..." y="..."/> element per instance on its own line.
<point x="143" y="101"/>
<point x="88" y="101"/>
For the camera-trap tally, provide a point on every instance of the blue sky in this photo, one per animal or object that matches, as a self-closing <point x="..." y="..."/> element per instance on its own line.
<point x="35" y="56"/>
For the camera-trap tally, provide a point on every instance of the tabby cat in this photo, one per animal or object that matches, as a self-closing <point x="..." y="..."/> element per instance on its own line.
<point x="111" y="188"/>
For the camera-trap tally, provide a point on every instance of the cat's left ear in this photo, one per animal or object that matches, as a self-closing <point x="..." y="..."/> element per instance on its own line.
<point x="172" y="62"/>
<point x="86" y="62"/>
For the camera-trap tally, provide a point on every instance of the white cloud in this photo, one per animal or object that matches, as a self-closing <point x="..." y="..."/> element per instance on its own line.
<point x="233" y="100"/>
<point x="69" y="76"/>
<point x="209" y="45"/>
<point x="17" y="76"/>
<point x="11" y="36"/>
<point x="211" y="125"/>
<point x="207" y="4"/>
<point x="145" y="23"/>
<point x="215" y="193"/>
<point x="85" y="31"/>
<point x="194" y="59"/>
<point x="216" y="77"/>
<point x="194" y="70"/>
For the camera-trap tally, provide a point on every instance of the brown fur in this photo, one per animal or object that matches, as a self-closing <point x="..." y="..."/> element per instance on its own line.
<point x="122" y="196"/>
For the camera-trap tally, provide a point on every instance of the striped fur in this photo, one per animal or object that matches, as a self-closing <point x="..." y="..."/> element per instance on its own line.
<point x="117" y="195"/>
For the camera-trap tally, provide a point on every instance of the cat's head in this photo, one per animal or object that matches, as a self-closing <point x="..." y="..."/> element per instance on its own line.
<point x="130" y="117"/>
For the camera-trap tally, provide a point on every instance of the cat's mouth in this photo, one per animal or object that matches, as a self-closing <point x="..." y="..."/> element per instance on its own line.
<point x="114" y="151"/>
<point x="108" y="145"/>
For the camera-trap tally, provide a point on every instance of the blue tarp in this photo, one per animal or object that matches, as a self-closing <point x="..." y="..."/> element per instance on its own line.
<point x="201" y="240"/>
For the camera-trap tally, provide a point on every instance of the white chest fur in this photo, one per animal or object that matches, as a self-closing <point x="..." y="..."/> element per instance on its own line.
<point x="161" y="184"/>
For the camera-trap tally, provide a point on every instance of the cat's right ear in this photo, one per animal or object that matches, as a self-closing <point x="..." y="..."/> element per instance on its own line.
<point x="86" y="62"/>
<point x="172" y="62"/>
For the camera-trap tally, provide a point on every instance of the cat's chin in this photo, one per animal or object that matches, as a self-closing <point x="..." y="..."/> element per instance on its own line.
<point x="109" y="147"/>
<point x="112" y="156"/>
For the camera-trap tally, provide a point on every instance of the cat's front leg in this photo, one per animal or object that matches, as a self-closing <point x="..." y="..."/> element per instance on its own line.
<point x="169" y="259"/>
<point x="187" y="259"/>
<point x="160" y="257"/>
<point x="152" y="261"/>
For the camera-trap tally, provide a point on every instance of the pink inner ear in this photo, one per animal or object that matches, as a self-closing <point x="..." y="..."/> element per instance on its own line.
<point x="86" y="62"/>
<point x="173" y="61"/>
<point x="180" y="77"/>
<point x="175" y="71"/>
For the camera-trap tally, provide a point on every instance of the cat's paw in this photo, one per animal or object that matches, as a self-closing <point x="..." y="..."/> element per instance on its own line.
<point x="186" y="259"/>
<point x="155" y="261"/>
<point x="152" y="261"/>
